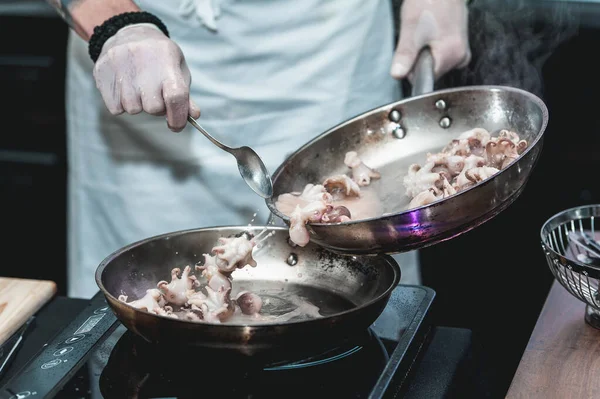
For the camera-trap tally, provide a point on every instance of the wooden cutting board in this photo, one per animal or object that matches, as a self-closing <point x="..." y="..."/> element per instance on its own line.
<point x="19" y="300"/>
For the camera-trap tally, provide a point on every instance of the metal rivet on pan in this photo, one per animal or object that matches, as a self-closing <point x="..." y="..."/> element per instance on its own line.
<point x="292" y="260"/>
<point x="395" y="116"/>
<point x="440" y="104"/>
<point x="445" y="122"/>
<point x="398" y="132"/>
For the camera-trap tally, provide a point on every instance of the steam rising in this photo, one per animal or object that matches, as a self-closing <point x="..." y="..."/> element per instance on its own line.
<point x="511" y="40"/>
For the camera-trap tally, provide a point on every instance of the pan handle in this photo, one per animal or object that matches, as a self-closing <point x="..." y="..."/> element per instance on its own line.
<point x="424" y="77"/>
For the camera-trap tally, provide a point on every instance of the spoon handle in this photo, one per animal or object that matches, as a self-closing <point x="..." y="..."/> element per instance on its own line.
<point x="216" y="142"/>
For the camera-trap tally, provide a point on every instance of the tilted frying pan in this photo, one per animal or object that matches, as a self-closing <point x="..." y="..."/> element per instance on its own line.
<point x="392" y="137"/>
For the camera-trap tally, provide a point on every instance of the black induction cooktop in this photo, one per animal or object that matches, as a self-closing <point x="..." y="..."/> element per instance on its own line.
<point x="96" y="357"/>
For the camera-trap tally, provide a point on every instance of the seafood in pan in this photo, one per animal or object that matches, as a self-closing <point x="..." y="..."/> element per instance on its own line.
<point x="207" y="296"/>
<point x="472" y="157"/>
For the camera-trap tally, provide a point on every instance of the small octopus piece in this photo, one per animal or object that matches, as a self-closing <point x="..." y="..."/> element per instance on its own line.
<point x="336" y="214"/>
<point x="423" y="198"/>
<point x="433" y="194"/>
<point x="166" y="311"/>
<point x="315" y="192"/>
<point x="215" y="277"/>
<point x="457" y="147"/>
<point x="514" y="137"/>
<point x="149" y="302"/>
<point x="471" y="142"/>
<point x="479" y="174"/>
<point x="447" y="165"/>
<point x="234" y="253"/>
<point x="312" y="212"/>
<point x="462" y="180"/>
<point x="420" y="179"/>
<point x="501" y="153"/>
<point x="311" y="193"/>
<point x="361" y="173"/>
<point x="249" y="303"/>
<point x="193" y="314"/>
<point x="477" y="139"/>
<point x="209" y="316"/>
<point x="341" y="186"/>
<point x="214" y="305"/>
<point x="175" y="291"/>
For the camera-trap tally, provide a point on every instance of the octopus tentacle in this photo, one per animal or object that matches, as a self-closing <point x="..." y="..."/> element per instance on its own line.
<point x="175" y="291"/>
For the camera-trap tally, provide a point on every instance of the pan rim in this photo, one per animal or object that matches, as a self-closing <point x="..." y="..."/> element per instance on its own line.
<point x="393" y="265"/>
<point x="270" y="202"/>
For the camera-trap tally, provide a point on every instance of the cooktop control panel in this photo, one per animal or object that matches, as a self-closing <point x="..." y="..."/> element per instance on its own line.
<point x="42" y="376"/>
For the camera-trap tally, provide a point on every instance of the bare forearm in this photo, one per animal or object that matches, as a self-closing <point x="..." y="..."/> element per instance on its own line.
<point x="84" y="15"/>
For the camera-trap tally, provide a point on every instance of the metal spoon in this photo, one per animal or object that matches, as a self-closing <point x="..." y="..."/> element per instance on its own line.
<point x="251" y="167"/>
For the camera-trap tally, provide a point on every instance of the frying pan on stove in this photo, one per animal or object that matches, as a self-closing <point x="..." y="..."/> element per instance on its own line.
<point x="394" y="136"/>
<point x="350" y="292"/>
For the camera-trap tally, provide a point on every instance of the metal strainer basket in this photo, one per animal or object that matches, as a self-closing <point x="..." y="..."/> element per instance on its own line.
<point x="571" y="244"/>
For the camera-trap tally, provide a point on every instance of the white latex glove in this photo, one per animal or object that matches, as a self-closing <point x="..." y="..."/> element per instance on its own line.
<point x="441" y="24"/>
<point x="141" y="69"/>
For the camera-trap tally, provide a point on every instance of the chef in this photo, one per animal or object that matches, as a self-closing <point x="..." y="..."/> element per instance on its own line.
<point x="267" y="74"/>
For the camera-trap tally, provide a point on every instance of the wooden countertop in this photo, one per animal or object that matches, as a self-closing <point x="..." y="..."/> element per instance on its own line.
<point x="562" y="358"/>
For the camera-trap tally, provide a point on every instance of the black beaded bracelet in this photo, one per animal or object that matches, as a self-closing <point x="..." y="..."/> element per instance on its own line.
<point x="109" y="27"/>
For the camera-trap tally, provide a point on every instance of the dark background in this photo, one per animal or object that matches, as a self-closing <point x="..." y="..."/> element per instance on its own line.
<point x="492" y="280"/>
<point x="33" y="144"/>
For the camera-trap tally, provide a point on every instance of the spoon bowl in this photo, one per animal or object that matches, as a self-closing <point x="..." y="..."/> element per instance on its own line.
<point x="251" y="167"/>
<point x="249" y="163"/>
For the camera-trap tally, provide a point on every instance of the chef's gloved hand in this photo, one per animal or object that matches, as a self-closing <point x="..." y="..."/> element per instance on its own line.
<point x="141" y="69"/>
<point x="440" y="24"/>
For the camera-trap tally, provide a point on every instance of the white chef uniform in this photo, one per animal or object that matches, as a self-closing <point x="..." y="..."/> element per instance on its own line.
<point x="265" y="73"/>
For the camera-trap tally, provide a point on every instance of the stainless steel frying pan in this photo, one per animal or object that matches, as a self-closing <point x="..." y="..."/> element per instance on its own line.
<point x="351" y="292"/>
<point x="391" y="138"/>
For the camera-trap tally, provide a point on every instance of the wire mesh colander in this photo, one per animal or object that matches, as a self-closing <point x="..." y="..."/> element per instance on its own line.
<point x="576" y="267"/>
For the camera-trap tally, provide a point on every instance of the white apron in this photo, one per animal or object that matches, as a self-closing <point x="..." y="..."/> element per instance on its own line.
<point x="272" y="76"/>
